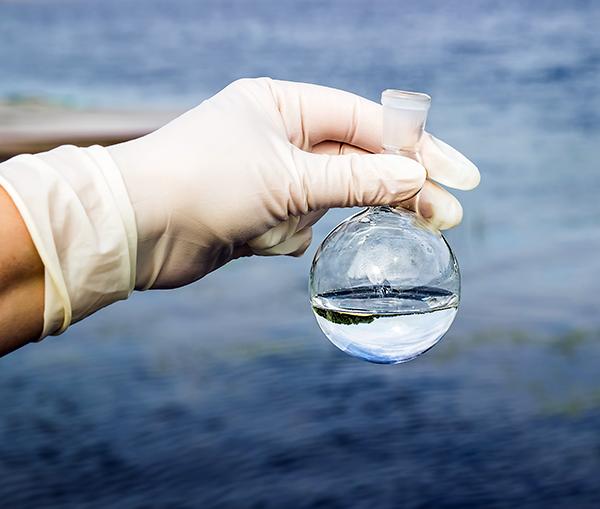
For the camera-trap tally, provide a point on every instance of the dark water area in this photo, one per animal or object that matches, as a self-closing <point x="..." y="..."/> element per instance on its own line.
<point x="225" y="393"/>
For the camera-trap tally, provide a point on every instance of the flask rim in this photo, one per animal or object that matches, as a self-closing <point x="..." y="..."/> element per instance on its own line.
<point x="405" y="99"/>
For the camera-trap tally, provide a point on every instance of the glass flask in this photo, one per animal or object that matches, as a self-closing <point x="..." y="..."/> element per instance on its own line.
<point x="384" y="284"/>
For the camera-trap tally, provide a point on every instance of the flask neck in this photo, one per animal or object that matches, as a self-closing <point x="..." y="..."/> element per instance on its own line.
<point x="404" y="118"/>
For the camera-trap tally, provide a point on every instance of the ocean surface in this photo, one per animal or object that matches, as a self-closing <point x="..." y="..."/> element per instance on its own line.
<point x="225" y="393"/>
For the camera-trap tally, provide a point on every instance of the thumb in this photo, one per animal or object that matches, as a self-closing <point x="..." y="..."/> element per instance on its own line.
<point x="358" y="179"/>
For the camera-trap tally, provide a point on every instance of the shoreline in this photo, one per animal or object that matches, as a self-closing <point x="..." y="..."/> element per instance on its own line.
<point x="33" y="127"/>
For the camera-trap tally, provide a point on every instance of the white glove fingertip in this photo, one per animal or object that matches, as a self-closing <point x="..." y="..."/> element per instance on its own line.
<point x="452" y="216"/>
<point x="437" y="206"/>
<point x="447" y="165"/>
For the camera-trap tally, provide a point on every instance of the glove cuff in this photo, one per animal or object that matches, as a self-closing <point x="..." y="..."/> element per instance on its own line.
<point x="77" y="210"/>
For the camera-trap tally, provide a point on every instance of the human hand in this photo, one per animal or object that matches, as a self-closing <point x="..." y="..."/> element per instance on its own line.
<point x="253" y="168"/>
<point x="247" y="171"/>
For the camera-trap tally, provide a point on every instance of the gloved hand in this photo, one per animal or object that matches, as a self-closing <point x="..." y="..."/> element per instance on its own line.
<point x="247" y="171"/>
<point x="257" y="164"/>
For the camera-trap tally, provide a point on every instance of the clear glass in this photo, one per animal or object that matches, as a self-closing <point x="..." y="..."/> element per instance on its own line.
<point x="384" y="284"/>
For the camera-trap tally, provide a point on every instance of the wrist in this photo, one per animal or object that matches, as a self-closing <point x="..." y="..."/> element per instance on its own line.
<point x="139" y="172"/>
<point x="82" y="225"/>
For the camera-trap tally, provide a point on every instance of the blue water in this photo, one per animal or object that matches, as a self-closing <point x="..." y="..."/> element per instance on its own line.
<point x="225" y="393"/>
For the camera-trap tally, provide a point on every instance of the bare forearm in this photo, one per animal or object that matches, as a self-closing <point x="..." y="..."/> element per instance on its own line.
<point x="21" y="281"/>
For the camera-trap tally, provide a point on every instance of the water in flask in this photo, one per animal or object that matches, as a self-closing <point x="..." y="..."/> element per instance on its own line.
<point x="385" y="325"/>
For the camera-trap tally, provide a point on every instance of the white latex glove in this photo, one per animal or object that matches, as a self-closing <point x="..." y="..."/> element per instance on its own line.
<point x="253" y="166"/>
<point x="249" y="170"/>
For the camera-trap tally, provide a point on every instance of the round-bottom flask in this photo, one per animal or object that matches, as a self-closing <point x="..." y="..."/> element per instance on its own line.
<point x="384" y="284"/>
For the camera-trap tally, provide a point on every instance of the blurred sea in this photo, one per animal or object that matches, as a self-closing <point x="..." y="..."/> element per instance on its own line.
<point x="225" y="393"/>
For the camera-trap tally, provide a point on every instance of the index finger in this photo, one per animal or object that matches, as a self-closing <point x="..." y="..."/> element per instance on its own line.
<point x="314" y="113"/>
